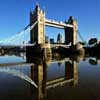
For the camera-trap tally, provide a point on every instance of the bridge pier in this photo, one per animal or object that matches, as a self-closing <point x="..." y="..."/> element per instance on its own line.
<point x="39" y="50"/>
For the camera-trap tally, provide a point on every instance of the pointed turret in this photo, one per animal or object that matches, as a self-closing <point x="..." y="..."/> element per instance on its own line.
<point x="37" y="8"/>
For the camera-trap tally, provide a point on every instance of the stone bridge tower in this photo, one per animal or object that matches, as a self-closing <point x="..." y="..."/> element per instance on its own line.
<point x="37" y="34"/>
<point x="71" y="32"/>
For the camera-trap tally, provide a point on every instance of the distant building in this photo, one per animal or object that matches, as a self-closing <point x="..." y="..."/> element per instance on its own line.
<point x="59" y="38"/>
<point x="51" y="41"/>
<point x="46" y="39"/>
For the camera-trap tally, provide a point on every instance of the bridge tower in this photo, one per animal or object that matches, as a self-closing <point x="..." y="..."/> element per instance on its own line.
<point x="37" y="34"/>
<point x="71" y="32"/>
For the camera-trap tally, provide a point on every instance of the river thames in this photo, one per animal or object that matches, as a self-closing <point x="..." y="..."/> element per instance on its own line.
<point x="70" y="78"/>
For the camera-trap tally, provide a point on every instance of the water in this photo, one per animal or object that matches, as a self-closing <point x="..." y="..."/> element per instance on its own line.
<point x="71" y="78"/>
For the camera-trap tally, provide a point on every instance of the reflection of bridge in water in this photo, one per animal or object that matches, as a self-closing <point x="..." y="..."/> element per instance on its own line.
<point x="18" y="74"/>
<point x="38" y="75"/>
<point x="70" y="76"/>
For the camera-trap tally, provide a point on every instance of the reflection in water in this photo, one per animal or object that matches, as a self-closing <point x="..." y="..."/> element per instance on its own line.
<point x="71" y="71"/>
<point x="93" y="61"/>
<point x="70" y="78"/>
<point x="39" y="76"/>
<point x="59" y="64"/>
<point x="78" y="58"/>
<point x="44" y="72"/>
<point x="18" y="74"/>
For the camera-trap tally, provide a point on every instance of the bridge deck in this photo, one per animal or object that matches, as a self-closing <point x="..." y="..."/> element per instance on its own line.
<point x="57" y="24"/>
<point x="60" y="45"/>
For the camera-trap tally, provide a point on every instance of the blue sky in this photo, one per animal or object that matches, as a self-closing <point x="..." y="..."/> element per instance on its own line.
<point x="14" y="15"/>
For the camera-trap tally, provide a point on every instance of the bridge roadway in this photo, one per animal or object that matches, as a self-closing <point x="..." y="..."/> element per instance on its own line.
<point x="15" y="45"/>
<point x="60" y="45"/>
<point x="23" y="45"/>
<point x="56" y="24"/>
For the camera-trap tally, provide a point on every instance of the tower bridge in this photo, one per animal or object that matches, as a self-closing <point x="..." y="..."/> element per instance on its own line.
<point x="37" y="24"/>
<point x="37" y="33"/>
<point x="37" y="44"/>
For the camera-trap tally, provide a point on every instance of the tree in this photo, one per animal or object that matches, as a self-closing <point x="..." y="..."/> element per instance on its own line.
<point x="82" y="43"/>
<point x="92" y="41"/>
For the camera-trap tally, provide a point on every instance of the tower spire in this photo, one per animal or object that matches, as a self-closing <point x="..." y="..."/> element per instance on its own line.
<point x="36" y="2"/>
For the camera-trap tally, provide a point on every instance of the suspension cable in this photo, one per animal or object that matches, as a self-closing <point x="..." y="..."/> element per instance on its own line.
<point x="19" y="34"/>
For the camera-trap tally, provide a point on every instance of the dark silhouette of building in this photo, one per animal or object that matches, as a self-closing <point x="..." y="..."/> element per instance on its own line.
<point x="51" y="41"/>
<point x="59" y="38"/>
